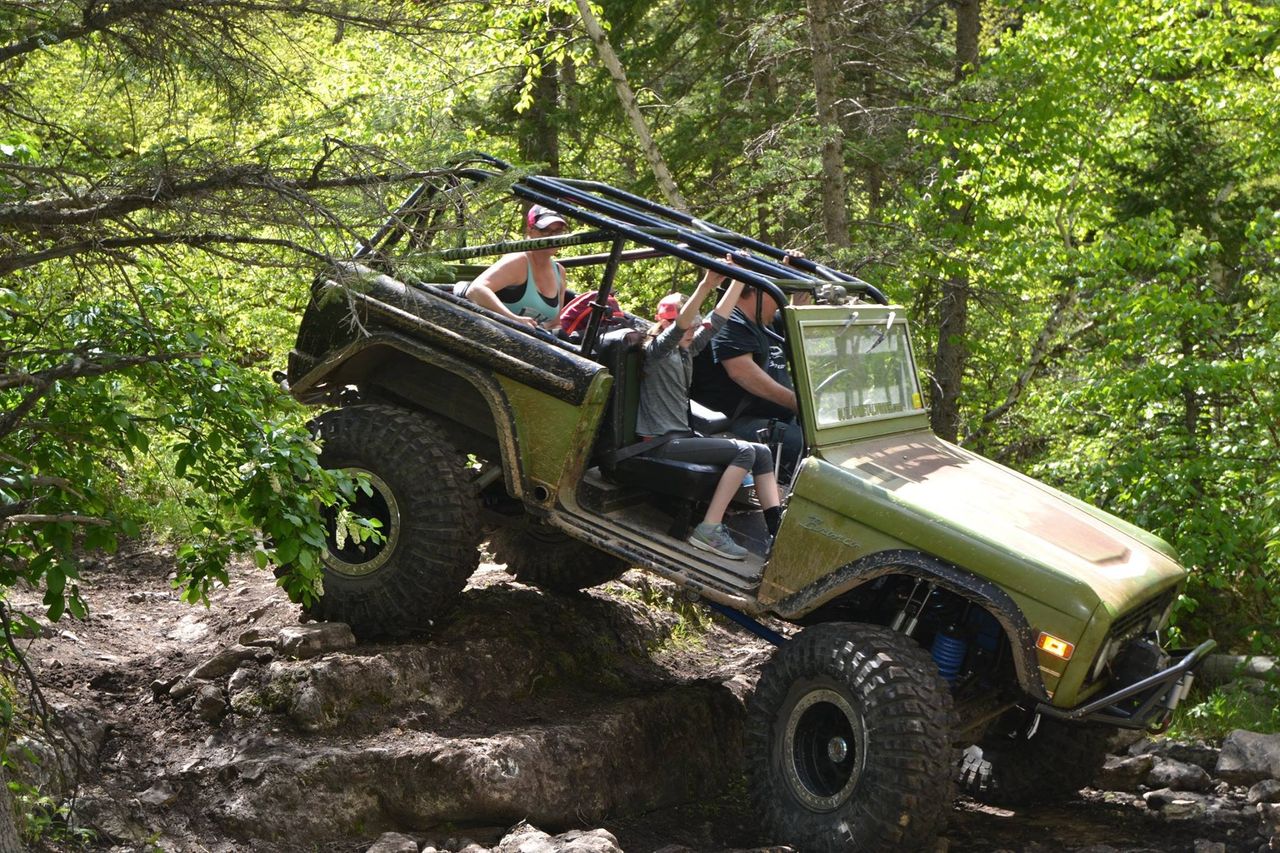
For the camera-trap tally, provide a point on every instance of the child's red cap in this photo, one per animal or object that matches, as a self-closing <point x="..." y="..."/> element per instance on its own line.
<point x="669" y="306"/>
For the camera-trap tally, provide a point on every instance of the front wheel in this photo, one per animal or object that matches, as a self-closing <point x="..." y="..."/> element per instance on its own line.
<point x="428" y="510"/>
<point x="849" y="742"/>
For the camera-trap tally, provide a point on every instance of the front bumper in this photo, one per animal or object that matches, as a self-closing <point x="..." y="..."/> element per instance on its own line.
<point x="1147" y="703"/>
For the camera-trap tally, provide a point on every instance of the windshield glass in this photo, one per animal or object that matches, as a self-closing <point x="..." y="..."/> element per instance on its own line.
<point x="859" y="371"/>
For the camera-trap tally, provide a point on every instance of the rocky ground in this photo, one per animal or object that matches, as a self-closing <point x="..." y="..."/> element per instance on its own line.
<point x="602" y="721"/>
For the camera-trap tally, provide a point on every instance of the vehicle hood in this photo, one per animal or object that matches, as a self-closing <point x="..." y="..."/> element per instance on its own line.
<point x="979" y="498"/>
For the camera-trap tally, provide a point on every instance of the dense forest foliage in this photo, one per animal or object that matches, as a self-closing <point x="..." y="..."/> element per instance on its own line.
<point x="1078" y="201"/>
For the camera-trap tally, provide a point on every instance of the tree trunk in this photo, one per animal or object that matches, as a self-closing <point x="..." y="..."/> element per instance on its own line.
<point x="968" y="28"/>
<point x="568" y="79"/>
<point x="541" y="144"/>
<point x="949" y="360"/>
<point x="953" y="310"/>
<point x="873" y="174"/>
<point x="768" y="226"/>
<point x="1192" y="403"/>
<point x="539" y="139"/>
<point x="632" y="108"/>
<point x="835" y="211"/>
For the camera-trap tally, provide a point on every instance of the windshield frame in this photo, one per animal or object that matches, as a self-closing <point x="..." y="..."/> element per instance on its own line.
<point x="803" y="322"/>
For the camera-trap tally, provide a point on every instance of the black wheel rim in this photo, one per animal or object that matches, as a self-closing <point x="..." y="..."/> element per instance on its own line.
<point x="824" y="749"/>
<point x="354" y="558"/>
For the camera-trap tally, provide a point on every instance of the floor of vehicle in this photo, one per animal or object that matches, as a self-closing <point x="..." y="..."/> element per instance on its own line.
<point x="644" y="520"/>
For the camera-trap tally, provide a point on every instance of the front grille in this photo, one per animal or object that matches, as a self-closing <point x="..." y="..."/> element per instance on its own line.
<point x="1125" y="628"/>
<point x="1135" y="621"/>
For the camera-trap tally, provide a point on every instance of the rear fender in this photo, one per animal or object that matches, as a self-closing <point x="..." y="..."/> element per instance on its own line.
<point x="410" y="373"/>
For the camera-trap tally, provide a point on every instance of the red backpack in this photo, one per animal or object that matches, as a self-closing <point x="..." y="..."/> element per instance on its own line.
<point x="574" y="317"/>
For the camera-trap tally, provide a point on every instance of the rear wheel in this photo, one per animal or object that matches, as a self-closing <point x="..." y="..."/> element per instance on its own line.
<point x="1008" y="769"/>
<point x="848" y="739"/>
<point x="541" y="555"/>
<point x="429" y="521"/>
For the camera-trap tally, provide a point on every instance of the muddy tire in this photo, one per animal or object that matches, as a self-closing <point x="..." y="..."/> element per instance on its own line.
<point x="1011" y="771"/>
<point x="429" y="514"/>
<point x="849" y="742"/>
<point x="542" y="556"/>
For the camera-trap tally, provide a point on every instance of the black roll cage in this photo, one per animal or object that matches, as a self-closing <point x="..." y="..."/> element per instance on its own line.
<point x="617" y="216"/>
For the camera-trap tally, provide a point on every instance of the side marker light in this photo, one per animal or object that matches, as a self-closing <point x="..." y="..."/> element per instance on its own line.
<point x="1054" y="646"/>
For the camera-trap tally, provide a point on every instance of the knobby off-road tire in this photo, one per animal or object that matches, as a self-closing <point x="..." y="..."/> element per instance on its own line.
<point x="540" y="555"/>
<point x="1051" y="766"/>
<point x="429" y="512"/>
<point x="849" y="742"/>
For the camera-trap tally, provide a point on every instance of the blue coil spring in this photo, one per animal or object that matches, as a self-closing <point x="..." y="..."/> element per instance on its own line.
<point x="948" y="653"/>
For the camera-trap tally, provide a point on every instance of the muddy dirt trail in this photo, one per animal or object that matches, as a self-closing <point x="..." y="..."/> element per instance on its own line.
<point x="629" y="695"/>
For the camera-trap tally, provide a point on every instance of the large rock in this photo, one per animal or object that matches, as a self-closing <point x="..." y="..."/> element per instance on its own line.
<point x="635" y="755"/>
<point x="57" y="766"/>
<point x="209" y="704"/>
<point x="1179" y="776"/>
<point x="111" y="816"/>
<point x="1266" y="791"/>
<point x="529" y="839"/>
<point x="1175" y="805"/>
<point x="1198" y="752"/>
<point x="393" y="842"/>
<point x="1270" y="815"/>
<point x="441" y="679"/>
<point x="223" y="663"/>
<point x="308" y="641"/>
<point x="531" y="646"/>
<point x="1249" y="757"/>
<point x="34" y="763"/>
<point x="85" y="731"/>
<point x="1126" y="773"/>
<point x="523" y="705"/>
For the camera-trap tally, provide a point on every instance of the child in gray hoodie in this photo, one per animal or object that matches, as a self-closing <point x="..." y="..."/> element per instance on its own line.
<point x="675" y="339"/>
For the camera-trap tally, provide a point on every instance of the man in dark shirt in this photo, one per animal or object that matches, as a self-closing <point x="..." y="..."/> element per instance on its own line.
<point x="746" y="377"/>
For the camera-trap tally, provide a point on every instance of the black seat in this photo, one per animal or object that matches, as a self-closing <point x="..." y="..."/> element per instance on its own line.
<point x="622" y="352"/>
<point x="705" y="420"/>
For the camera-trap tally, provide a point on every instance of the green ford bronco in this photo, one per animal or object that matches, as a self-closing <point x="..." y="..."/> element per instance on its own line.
<point x="959" y="625"/>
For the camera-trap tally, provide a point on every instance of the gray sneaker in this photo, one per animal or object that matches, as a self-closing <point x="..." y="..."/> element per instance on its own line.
<point x="716" y="539"/>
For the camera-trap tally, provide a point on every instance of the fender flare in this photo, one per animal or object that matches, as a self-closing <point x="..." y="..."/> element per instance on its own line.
<point x="946" y="575"/>
<point x="346" y="366"/>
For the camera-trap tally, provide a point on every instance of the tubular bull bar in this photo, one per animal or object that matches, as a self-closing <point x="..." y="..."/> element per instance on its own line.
<point x="1157" y="696"/>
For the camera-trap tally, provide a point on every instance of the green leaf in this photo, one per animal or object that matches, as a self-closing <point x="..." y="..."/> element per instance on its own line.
<point x="287" y="551"/>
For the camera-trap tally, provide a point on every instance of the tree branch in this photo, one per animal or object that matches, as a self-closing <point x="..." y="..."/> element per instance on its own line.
<point x="100" y="17"/>
<point x="11" y="263"/>
<point x="41" y="382"/>
<point x="631" y="108"/>
<point x="163" y="189"/>
<point x="1040" y="353"/>
<point x="59" y="518"/>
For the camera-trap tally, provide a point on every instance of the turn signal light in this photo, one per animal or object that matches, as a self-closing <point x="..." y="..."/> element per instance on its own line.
<point x="1054" y="646"/>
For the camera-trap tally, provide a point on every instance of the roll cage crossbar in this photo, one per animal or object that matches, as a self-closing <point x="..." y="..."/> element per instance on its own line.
<point x="618" y="216"/>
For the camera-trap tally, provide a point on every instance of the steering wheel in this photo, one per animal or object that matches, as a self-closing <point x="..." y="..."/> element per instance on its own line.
<point x="824" y="383"/>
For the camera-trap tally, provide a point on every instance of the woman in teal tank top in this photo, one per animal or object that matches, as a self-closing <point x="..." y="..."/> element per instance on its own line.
<point x="527" y="287"/>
